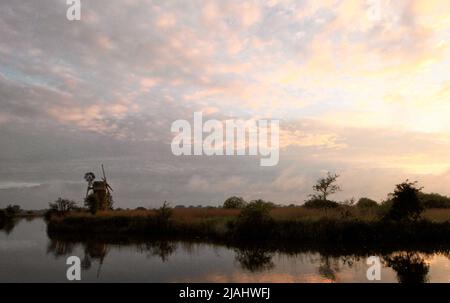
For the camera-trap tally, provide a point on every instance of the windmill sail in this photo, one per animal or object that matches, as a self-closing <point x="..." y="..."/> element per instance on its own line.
<point x="104" y="179"/>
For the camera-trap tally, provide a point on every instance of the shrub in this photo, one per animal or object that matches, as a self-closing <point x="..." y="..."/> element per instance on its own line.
<point x="12" y="210"/>
<point x="319" y="204"/>
<point x="366" y="203"/>
<point x="254" y="220"/>
<point x="163" y="215"/>
<point x="434" y="200"/>
<point x="234" y="202"/>
<point x="62" y="206"/>
<point x="405" y="202"/>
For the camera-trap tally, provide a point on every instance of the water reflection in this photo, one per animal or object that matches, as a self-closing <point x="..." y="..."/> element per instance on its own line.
<point x="409" y="266"/>
<point x="159" y="248"/>
<point x="7" y="225"/>
<point x="328" y="268"/>
<point x="60" y="248"/>
<point x="254" y="259"/>
<point x="121" y="259"/>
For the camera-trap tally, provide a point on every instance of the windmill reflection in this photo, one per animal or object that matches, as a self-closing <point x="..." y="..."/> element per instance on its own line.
<point x="93" y="251"/>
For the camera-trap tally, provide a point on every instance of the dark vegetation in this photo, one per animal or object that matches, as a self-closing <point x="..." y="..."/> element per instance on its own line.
<point x="15" y="211"/>
<point x="366" y="203"/>
<point x="398" y="220"/>
<point x="10" y="215"/>
<point x="234" y="203"/>
<point x="405" y="202"/>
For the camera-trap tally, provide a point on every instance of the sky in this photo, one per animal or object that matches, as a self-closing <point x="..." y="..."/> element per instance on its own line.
<point x="361" y="88"/>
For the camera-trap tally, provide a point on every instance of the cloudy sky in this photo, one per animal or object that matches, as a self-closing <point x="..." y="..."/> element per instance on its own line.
<point x="362" y="88"/>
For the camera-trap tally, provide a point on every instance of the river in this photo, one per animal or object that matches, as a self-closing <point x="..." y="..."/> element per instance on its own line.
<point x="27" y="254"/>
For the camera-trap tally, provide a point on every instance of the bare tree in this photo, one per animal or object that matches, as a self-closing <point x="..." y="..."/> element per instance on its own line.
<point x="326" y="186"/>
<point x="62" y="206"/>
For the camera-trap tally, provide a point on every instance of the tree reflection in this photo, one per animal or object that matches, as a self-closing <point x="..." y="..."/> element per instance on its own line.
<point x="328" y="268"/>
<point x="7" y="225"/>
<point x="254" y="259"/>
<point x="410" y="267"/>
<point x="60" y="248"/>
<point x="162" y="249"/>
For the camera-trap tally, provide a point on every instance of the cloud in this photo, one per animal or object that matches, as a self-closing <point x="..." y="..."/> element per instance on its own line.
<point x="11" y="185"/>
<point x="357" y="93"/>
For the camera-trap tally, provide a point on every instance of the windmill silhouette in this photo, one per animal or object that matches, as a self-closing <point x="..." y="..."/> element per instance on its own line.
<point x="100" y="190"/>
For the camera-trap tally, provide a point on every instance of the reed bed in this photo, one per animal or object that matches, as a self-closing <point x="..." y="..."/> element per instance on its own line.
<point x="191" y="215"/>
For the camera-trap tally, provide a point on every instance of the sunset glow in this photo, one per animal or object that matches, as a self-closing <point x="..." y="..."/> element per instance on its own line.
<point x="361" y="88"/>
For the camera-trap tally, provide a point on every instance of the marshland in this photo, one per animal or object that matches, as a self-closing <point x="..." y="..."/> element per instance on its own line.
<point x="408" y="216"/>
<point x="240" y="241"/>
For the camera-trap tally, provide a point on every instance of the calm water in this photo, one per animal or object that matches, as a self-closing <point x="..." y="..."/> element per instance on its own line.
<point x="28" y="255"/>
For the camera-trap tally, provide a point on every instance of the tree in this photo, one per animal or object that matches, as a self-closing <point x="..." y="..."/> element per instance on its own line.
<point x="254" y="221"/>
<point x="434" y="200"/>
<point x="234" y="202"/>
<point x="406" y="204"/>
<point x="256" y="212"/>
<point x="62" y="206"/>
<point x="366" y="203"/>
<point x="325" y="187"/>
<point x="163" y="214"/>
<point x="12" y="210"/>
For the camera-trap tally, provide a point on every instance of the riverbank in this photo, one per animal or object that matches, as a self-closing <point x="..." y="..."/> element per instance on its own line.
<point x="226" y="226"/>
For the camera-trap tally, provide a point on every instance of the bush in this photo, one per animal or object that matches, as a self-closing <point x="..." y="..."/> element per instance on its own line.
<point x="319" y="204"/>
<point x="405" y="202"/>
<point x="62" y="206"/>
<point x="234" y="203"/>
<point x="366" y="203"/>
<point x="434" y="200"/>
<point x="254" y="221"/>
<point x="12" y="210"/>
<point x="163" y="215"/>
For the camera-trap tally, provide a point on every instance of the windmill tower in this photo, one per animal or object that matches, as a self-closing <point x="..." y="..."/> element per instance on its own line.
<point x="100" y="190"/>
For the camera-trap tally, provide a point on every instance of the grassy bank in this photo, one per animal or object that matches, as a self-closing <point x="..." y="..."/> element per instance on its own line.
<point x="293" y="225"/>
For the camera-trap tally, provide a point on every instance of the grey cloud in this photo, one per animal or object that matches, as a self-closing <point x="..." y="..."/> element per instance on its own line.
<point x="50" y="68"/>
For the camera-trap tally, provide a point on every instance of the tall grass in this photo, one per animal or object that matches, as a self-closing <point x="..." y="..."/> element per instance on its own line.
<point x="179" y="214"/>
<point x="190" y="215"/>
<point x="290" y="224"/>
